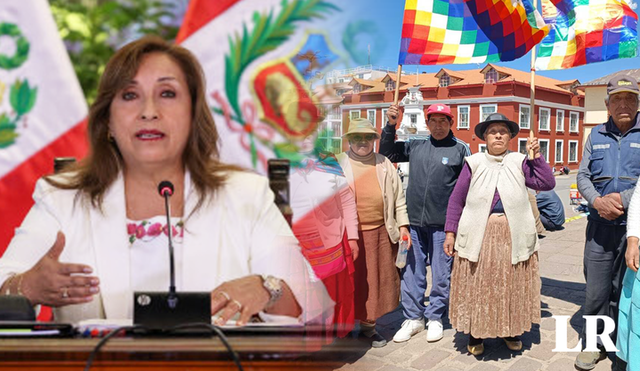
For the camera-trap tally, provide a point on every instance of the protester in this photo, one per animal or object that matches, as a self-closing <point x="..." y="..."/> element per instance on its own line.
<point x="435" y="164"/>
<point x="551" y="210"/>
<point x="95" y="234"/>
<point x="628" y="342"/>
<point x="325" y="221"/>
<point x="382" y="216"/>
<point x="495" y="283"/>
<point x="606" y="178"/>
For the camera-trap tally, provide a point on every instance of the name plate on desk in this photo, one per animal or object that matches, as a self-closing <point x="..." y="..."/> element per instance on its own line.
<point x="156" y="311"/>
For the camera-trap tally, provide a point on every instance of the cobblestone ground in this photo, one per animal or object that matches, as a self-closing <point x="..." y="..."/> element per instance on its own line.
<point x="562" y="294"/>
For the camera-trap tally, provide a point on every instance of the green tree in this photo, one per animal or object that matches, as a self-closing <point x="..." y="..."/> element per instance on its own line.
<point x="93" y="29"/>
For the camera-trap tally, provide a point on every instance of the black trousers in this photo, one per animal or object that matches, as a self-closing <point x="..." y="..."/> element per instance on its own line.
<point x="604" y="267"/>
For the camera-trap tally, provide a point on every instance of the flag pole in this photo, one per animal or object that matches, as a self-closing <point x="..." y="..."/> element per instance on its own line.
<point x="395" y="96"/>
<point x="532" y="102"/>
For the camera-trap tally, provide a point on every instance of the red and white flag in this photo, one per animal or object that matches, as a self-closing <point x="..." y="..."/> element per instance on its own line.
<point x="42" y="107"/>
<point x="260" y="58"/>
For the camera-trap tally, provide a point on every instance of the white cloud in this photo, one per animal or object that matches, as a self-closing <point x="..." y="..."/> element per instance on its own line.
<point x="632" y="3"/>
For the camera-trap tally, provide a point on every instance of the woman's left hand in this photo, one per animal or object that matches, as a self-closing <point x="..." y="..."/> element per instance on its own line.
<point x="245" y="295"/>
<point x="533" y="145"/>
<point x="353" y="244"/>
<point x="404" y="231"/>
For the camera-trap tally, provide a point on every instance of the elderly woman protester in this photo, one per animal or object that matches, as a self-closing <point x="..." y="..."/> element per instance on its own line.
<point x="495" y="283"/>
<point x="629" y="306"/>
<point x="383" y="220"/>
<point x="325" y="221"/>
<point x="96" y="233"/>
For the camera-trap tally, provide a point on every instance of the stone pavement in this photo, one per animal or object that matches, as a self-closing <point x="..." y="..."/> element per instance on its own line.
<point x="562" y="294"/>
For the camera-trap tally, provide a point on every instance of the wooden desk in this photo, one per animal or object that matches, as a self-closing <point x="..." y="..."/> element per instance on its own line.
<point x="192" y="354"/>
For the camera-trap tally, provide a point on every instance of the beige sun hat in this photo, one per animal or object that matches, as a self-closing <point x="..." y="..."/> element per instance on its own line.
<point x="361" y="126"/>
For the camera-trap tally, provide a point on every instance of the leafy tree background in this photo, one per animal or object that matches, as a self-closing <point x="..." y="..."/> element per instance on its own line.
<point x="92" y="30"/>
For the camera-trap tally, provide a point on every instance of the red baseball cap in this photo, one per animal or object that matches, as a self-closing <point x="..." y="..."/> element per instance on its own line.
<point x="440" y="108"/>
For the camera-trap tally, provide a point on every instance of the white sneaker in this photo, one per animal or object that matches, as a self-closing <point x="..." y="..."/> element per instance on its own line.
<point x="409" y="328"/>
<point x="434" y="330"/>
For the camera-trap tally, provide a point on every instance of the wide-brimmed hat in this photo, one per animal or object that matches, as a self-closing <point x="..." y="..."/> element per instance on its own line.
<point x="493" y="118"/>
<point x="361" y="126"/>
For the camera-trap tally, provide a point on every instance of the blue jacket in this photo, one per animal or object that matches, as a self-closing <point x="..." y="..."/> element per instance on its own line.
<point x="614" y="163"/>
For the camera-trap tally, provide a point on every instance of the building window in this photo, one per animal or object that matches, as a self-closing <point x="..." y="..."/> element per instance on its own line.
<point x="486" y="110"/>
<point x="559" y="149"/>
<point x="573" y="151"/>
<point x="384" y="115"/>
<point x="573" y="122"/>
<point x="482" y="148"/>
<point x="340" y="80"/>
<point x="414" y="119"/>
<point x="491" y="76"/>
<point x="522" y="146"/>
<point x="357" y="88"/>
<point x="544" y="149"/>
<point x="445" y="80"/>
<point x="463" y="117"/>
<point x="391" y="85"/>
<point x="330" y="136"/>
<point x="355" y="114"/>
<point x="559" y="120"/>
<point x="543" y="120"/>
<point x="525" y="117"/>
<point x="371" y="116"/>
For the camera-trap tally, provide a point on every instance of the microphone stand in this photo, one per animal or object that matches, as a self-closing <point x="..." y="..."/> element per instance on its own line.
<point x="172" y="299"/>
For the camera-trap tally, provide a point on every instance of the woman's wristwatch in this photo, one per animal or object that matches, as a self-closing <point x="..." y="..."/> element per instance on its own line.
<point x="273" y="286"/>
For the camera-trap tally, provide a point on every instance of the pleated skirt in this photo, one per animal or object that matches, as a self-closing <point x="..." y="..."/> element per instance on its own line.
<point x="492" y="297"/>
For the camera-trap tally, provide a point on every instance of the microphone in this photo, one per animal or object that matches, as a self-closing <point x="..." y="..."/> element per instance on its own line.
<point x="165" y="188"/>
<point x="161" y="311"/>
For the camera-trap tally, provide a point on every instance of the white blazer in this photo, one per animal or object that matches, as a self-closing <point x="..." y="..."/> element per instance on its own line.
<point x="239" y="232"/>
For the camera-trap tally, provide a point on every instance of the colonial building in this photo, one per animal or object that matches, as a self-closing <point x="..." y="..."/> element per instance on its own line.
<point x="557" y="119"/>
<point x="595" y="92"/>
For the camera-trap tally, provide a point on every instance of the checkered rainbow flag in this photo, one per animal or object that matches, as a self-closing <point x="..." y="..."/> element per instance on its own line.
<point x="468" y="31"/>
<point x="587" y="31"/>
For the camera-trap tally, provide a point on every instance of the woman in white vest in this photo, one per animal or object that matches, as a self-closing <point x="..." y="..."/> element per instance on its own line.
<point x="495" y="283"/>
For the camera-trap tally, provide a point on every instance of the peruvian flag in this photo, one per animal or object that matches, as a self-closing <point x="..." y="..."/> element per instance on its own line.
<point x="258" y="58"/>
<point x="42" y="107"/>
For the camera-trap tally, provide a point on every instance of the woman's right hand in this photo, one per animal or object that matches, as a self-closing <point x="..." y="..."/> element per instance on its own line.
<point x="632" y="256"/>
<point x="57" y="284"/>
<point x="449" y="243"/>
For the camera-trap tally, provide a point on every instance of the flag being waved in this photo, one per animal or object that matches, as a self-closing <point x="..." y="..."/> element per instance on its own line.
<point x="587" y="31"/>
<point x="468" y="31"/>
<point x="42" y="108"/>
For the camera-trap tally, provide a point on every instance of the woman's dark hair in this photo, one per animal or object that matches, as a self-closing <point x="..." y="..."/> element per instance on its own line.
<point x="98" y="171"/>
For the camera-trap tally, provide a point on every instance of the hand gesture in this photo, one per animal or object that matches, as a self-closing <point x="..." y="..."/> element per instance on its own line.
<point x="404" y="231"/>
<point x="449" y="243"/>
<point x="533" y="145"/>
<point x="57" y="284"/>
<point x="632" y="256"/>
<point x="392" y="114"/>
<point x="245" y="295"/>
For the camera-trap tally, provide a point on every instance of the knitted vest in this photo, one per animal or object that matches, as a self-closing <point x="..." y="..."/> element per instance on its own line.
<point x="504" y="173"/>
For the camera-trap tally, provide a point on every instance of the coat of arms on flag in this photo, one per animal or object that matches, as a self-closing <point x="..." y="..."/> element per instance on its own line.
<point x="21" y="96"/>
<point x="42" y="112"/>
<point x="259" y="71"/>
